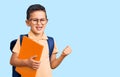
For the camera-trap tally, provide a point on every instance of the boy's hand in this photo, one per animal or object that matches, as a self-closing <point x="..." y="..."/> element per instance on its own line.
<point x="33" y="63"/>
<point x="67" y="51"/>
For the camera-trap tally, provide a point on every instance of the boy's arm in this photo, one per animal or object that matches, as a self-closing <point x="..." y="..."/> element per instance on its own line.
<point x="15" y="61"/>
<point x="56" y="61"/>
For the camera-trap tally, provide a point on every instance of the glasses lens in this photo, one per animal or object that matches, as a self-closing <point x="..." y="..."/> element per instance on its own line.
<point x="36" y="21"/>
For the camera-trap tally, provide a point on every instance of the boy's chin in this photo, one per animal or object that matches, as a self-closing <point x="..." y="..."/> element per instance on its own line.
<point x="39" y="32"/>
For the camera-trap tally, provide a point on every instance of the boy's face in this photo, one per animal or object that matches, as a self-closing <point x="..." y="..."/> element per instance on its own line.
<point x="37" y="22"/>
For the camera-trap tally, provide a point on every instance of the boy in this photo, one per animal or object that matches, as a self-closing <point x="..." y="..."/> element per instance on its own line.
<point x="37" y="20"/>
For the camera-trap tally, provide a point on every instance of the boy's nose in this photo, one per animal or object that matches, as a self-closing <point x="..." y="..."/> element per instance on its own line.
<point x="39" y="22"/>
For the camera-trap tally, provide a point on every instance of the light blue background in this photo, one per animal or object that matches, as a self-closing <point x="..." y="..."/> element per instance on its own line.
<point x="90" y="27"/>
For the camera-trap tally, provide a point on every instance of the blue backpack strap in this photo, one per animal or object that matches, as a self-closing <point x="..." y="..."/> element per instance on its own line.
<point x="50" y="45"/>
<point x="21" y="36"/>
<point x="14" y="73"/>
<point x="12" y="44"/>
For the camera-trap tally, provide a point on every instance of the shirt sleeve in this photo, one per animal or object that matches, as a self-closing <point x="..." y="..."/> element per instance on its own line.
<point x="55" y="50"/>
<point x="16" y="48"/>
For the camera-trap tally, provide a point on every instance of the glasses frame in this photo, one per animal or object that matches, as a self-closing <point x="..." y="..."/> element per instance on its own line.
<point x="35" y="21"/>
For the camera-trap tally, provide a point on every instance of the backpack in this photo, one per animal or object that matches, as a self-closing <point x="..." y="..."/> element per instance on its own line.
<point x="13" y="42"/>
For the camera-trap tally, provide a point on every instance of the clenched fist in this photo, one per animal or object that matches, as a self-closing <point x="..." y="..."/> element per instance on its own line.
<point x="67" y="51"/>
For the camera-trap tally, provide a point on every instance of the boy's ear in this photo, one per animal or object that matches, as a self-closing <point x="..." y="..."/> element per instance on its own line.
<point x="27" y="23"/>
<point x="47" y="21"/>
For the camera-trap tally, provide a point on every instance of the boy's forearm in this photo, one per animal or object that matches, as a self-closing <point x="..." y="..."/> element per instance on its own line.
<point x="17" y="62"/>
<point x="56" y="62"/>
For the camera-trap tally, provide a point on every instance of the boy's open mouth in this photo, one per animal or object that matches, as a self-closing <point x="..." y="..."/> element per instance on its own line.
<point x="38" y="28"/>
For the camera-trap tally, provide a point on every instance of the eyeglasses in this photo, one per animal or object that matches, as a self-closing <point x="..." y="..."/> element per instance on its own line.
<point x="36" y="21"/>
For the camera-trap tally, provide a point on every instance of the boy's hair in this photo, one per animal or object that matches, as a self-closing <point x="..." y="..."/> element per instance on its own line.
<point x="35" y="7"/>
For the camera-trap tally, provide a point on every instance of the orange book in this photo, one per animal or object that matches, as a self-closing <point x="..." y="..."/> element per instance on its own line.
<point x="28" y="49"/>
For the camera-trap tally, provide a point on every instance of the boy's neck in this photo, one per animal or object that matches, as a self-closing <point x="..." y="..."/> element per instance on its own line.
<point x="39" y="36"/>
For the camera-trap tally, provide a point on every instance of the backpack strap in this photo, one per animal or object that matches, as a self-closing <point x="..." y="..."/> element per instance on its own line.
<point x="21" y="37"/>
<point x="14" y="73"/>
<point x="50" y="45"/>
<point x="12" y="44"/>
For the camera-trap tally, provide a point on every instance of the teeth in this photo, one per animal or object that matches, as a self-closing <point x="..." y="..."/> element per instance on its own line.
<point x="39" y="28"/>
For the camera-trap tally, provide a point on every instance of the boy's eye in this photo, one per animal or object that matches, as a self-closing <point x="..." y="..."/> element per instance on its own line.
<point x="42" y="19"/>
<point x="35" y="19"/>
<point x="38" y="20"/>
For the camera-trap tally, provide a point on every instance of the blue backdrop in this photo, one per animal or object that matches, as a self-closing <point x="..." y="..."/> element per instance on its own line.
<point x="90" y="27"/>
